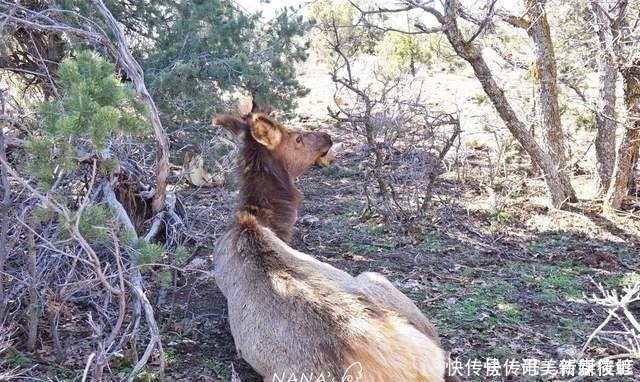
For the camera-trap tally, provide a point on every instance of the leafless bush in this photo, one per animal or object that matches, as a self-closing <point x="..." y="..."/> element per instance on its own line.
<point x="620" y="328"/>
<point x="406" y="141"/>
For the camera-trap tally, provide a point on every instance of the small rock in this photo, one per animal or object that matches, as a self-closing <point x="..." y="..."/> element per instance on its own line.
<point x="567" y="352"/>
<point x="310" y="221"/>
<point x="451" y="300"/>
<point x="457" y="351"/>
<point x="410" y="284"/>
<point x="197" y="263"/>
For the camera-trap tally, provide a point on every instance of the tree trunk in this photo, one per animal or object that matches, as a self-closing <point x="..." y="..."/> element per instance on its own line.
<point x="546" y="77"/>
<point x="630" y="145"/>
<point x="606" y="101"/>
<point x="472" y="54"/>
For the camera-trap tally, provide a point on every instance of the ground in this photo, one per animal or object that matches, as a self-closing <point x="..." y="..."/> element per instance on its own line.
<point x="497" y="282"/>
<point x="496" y="270"/>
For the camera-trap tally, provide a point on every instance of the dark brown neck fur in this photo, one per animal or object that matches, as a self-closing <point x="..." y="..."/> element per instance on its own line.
<point x="267" y="190"/>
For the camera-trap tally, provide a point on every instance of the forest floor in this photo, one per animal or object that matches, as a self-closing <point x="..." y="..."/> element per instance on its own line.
<point x="497" y="278"/>
<point x="494" y="268"/>
<point x="490" y="264"/>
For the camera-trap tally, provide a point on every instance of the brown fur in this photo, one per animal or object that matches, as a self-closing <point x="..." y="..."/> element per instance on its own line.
<point x="290" y="313"/>
<point x="267" y="190"/>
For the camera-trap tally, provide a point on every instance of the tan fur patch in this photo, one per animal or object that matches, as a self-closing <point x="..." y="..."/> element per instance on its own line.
<point x="394" y="350"/>
<point x="265" y="131"/>
<point x="245" y="219"/>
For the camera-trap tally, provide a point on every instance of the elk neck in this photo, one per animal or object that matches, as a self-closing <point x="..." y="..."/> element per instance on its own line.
<point x="267" y="191"/>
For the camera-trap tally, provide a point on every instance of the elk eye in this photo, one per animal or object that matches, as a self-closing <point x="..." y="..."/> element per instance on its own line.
<point x="299" y="139"/>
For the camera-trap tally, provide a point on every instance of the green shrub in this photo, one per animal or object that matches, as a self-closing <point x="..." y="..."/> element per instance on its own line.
<point x="94" y="106"/>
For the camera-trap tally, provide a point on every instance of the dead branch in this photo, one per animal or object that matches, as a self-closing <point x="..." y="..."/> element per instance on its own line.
<point x="619" y="311"/>
<point x="32" y="323"/>
<point x="135" y="73"/>
<point x="382" y="10"/>
<point x="141" y="298"/>
<point x="482" y="24"/>
<point x="452" y="121"/>
<point x="85" y="373"/>
<point x="5" y="205"/>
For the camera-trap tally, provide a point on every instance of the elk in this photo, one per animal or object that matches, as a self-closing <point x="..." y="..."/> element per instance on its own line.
<point x="291" y="315"/>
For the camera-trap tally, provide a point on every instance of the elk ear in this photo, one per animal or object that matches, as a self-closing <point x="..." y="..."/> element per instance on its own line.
<point x="235" y="126"/>
<point x="265" y="131"/>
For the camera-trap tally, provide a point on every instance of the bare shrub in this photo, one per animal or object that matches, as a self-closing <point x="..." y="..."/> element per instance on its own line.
<point x="621" y="328"/>
<point x="406" y="141"/>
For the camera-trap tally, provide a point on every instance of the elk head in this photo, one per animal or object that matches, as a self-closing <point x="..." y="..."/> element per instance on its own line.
<point x="297" y="151"/>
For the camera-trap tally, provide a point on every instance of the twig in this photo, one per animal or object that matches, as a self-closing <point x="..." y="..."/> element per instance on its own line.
<point x="155" y="227"/>
<point x="122" y="300"/>
<point x="136" y="286"/>
<point x="5" y="204"/>
<point x="87" y="366"/>
<point x="32" y="323"/>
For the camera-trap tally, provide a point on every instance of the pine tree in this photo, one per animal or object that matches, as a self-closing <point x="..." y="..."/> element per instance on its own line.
<point x="94" y="106"/>
<point x="194" y="53"/>
<point x="210" y="48"/>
